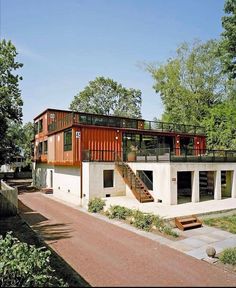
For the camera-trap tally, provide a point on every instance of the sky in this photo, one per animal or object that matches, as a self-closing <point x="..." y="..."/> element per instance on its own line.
<point x="64" y="44"/>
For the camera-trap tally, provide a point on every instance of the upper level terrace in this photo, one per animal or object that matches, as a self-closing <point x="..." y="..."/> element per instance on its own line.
<point x="79" y="118"/>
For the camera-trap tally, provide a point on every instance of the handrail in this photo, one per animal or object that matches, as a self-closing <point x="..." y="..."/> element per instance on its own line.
<point x="147" y="180"/>
<point x="129" y="123"/>
<point x="134" y="181"/>
<point x="162" y="155"/>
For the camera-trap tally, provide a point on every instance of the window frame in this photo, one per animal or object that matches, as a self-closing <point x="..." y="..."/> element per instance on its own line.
<point x="110" y="183"/>
<point x="67" y="144"/>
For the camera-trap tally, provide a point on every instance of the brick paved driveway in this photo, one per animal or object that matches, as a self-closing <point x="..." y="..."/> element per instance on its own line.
<point x="107" y="255"/>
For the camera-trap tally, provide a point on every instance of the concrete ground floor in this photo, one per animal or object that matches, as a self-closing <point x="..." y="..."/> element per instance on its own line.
<point x="169" y="183"/>
<point x="109" y="255"/>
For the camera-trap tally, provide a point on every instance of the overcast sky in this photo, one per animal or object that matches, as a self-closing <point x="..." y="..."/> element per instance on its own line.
<point x="64" y="44"/>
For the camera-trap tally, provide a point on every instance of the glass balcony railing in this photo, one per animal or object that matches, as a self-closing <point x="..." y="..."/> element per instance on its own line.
<point x="119" y="122"/>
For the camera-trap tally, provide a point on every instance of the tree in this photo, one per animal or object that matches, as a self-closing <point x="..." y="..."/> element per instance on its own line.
<point x="221" y="126"/>
<point x="191" y="83"/>
<point x="10" y="96"/>
<point x="228" y="43"/>
<point x="107" y="97"/>
<point x="21" y="145"/>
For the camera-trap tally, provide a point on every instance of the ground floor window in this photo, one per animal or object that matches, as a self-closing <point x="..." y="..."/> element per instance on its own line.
<point x="108" y="178"/>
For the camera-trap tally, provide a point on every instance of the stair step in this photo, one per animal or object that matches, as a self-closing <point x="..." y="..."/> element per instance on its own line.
<point x="184" y="220"/>
<point x="192" y="225"/>
<point x="188" y="222"/>
<point x="147" y="200"/>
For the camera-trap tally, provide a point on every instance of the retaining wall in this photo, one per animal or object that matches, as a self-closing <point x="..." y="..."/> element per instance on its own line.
<point x="8" y="200"/>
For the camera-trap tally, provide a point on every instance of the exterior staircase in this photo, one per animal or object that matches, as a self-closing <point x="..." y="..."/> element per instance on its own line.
<point x="136" y="185"/>
<point x="188" y="222"/>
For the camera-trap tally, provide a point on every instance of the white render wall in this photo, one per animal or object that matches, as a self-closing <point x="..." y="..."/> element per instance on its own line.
<point x="66" y="184"/>
<point x="196" y="168"/>
<point x="161" y="179"/>
<point x="66" y="181"/>
<point x="92" y="177"/>
<point x="165" y="178"/>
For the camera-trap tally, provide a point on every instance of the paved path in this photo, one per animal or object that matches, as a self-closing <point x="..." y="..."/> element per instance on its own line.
<point x="107" y="255"/>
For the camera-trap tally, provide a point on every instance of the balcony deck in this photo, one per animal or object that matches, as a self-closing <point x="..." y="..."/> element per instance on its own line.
<point x="75" y="118"/>
<point x="162" y="155"/>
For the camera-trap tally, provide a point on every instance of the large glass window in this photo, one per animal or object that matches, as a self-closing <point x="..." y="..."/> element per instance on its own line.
<point x="40" y="123"/>
<point x="45" y="147"/>
<point x="108" y="178"/>
<point x="40" y="148"/>
<point x="68" y="140"/>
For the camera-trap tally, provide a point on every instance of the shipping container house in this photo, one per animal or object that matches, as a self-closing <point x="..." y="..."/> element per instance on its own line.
<point x="83" y="155"/>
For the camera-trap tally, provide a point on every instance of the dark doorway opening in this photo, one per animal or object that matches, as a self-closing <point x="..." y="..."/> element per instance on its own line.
<point x="226" y="184"/>
<point x="206" y="185"/>
<point x="184" y="187"/>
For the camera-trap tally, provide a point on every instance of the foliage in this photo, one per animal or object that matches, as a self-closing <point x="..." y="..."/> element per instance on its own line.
<point x="227" y="223"/>
<point x="228" y="256"/>
<point x="119" y="212"/>
<point x="221" y="127"/>
<point x="22" y="143"/>
<point x="143" y="221"/>
<point x="96" y="205"/>
<point x="191" y="82"/>
<point x="168" y="231"/>
<point x="228" y="43"/>
<point x="10" y="96"/>
<point x="23" y="265"/>
<point x="107" y="97"/>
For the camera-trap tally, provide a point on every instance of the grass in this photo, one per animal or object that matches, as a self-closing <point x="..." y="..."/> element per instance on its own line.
<point x="227" y="223"/>
<point x="228" y="256"/>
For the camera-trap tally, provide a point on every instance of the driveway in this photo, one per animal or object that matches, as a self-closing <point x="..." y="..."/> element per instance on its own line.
<point x="108" y="255"/>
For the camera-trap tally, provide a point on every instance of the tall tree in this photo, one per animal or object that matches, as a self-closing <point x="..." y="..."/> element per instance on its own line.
<point x="221" y="126"/>
<point x="228" y="43"/>
<point x="107" y="97"/>
<point x="21" y="145"/>
<point x="191" y="83"/>
<point x="10" y="96"/>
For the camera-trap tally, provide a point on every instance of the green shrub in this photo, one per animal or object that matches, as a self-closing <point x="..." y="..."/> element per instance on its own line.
<point x="143" y="221"/>
<point x="168" y="231"/>
<point x="158" y="222"/>
<point x="119" y="212"/>
<point x="23" y="265"/>
<point x="96" y="205"/>
<point x="228" y="256"/>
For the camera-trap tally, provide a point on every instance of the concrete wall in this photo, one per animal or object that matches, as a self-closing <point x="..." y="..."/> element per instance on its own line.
<point x="93" y="181"/>
<point x="8" y="200"/>
<point x="161" y="179"/>
<point x="66" y="183"/>
<point x="196" y="168"/>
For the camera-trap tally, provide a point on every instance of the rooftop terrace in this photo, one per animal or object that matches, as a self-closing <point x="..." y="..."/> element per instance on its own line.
<point x="77" y="118"/>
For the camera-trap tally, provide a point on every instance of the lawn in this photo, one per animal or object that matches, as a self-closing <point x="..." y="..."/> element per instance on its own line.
<point x="227" y="223"/>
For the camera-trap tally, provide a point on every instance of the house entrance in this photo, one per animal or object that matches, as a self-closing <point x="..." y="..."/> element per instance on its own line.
<point x="184" y="187"/>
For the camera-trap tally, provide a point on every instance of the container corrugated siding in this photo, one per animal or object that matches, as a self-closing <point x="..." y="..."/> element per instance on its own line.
<point x="101" y="139"/>
<point x="51" y="148"/>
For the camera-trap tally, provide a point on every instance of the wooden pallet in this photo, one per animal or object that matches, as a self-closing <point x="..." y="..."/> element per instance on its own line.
<point x="188" y="222"/>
